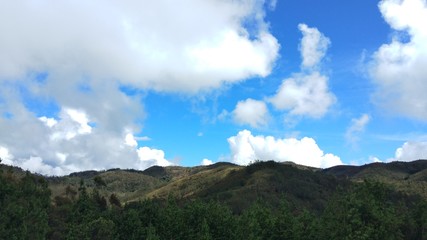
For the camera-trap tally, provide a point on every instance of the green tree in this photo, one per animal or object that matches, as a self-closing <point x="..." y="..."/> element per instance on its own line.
<point x="114" y="200"/>
<point x="171" y="223"/>
<point x="151" y="233"/>
<point x="24" y="205"/>
<point x="99" y="182"/>
<point x="364" y="212"/>
<point x="129" y="225"/>
<point x="101" y="229"/>
<point x="284" y="223"/>
<point x="306" y="226"/>
<point x="204" y="233"/>
<point x="419" y="216"/>
<point x="100" y="201"/>
<point x="257" y="222"/>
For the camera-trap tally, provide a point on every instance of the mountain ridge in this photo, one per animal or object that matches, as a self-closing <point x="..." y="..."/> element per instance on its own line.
<point x="239" y="186"/>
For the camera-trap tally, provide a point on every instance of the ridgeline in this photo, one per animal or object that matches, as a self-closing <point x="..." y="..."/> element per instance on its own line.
<point x="265" y="200"/>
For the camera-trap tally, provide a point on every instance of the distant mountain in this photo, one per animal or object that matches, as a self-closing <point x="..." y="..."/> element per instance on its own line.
<point x="240" y="186"/>
<point x="407" y="177"/>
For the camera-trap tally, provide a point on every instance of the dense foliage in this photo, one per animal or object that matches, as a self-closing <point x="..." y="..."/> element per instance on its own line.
<point x="366" y="210"/>
<point x="24" y="207"/>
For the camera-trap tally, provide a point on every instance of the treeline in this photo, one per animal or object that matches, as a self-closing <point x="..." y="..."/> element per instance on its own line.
<point x="369" y="210"/>
<point x="24" y="207"/>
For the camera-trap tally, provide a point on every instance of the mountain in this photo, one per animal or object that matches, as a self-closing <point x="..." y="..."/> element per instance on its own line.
<point x="237" y="186"/>
<point x="265" y="200"/>
<point x="240" y="186"/>
<point x="407" y="177"/>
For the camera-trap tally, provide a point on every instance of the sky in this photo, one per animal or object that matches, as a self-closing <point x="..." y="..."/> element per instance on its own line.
<point x="131" y="84"/>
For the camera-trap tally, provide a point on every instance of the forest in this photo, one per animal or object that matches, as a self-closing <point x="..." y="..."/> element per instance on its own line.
<point x="364" y="210"/>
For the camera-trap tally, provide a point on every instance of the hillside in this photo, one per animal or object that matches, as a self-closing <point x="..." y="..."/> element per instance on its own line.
<point x="234" y="185"/>
<point x="407" y="177"/>
<point x="239" y="186"/>
<point x="265" y="200"/>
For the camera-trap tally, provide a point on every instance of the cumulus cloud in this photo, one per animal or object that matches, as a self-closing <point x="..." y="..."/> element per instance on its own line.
<point x="398" y="68"/>
<point x="246" y="148"/>
<point x="130" y="140"/>
<point x="5" y="156"/>
<point x="179" y="48"/>
<point x="313" y="46"/>
<point x="411" y="151"/>
<point x="72" y="59"/>
<point x="356" y="127"/>
<point x="307" y="93"/>
<point x="70" y="145"/>
<point x="206" y="162"/>
<point x="373" y="159"/>
<point x="304" y="95"/>
<point x="251" y="112"/>
<point x="152" y="157"/>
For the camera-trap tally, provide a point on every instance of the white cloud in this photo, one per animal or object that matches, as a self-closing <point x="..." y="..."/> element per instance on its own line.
<point x="73" y="122"/>
<point x="5" y="156"/>
<point x="36" y="164"/>
<point x="398" y="68"/>
<point x="246" y="148"/>
<point x="304" y="95"/>
<point x="373" y="159"/>
<point x="206" y="162"/>
<point x="411" y="151"/>
<point x="130" y="140"/>
<point x="150" y="156"/>
<point x="50" y="122"/>
<point x="71" y="145"/>
<point x="357" y="126"/>
<point x="191" y="46"/>
<point x="307" y="93"/>
<point x="223" y="115"/>
<point x="86" y="51"/>
<point x="251" y="112"/>
<point x="313" y="46"/>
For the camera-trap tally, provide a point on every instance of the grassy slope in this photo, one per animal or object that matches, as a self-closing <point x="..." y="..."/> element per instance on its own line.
<point x="241" y="186"/>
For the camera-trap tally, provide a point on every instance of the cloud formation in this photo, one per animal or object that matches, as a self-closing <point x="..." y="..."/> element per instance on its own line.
<point x="307" y="93"/>
<point x="5" y="156"/>
<point x="251" y="112"/>
<point x="179" y="48"/>
<point x="304" y="95"/>
<point x="63" y="66"/>
<point x="313" y="46"/>
<point x="411" y="151"/>
<point x="356" y="127"/>
<point x="68" y="144"/>
<point x="398" y="68"/>
<point x="246" y="148"/>
<point x="206" y="162"/>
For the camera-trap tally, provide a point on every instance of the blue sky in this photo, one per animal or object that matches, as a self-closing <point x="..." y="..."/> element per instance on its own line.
<point x="134" y="84"/>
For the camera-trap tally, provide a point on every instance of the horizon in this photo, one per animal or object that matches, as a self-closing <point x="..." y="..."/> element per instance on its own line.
<point x="130" y="85"/>
<point x="290" y="163"/>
